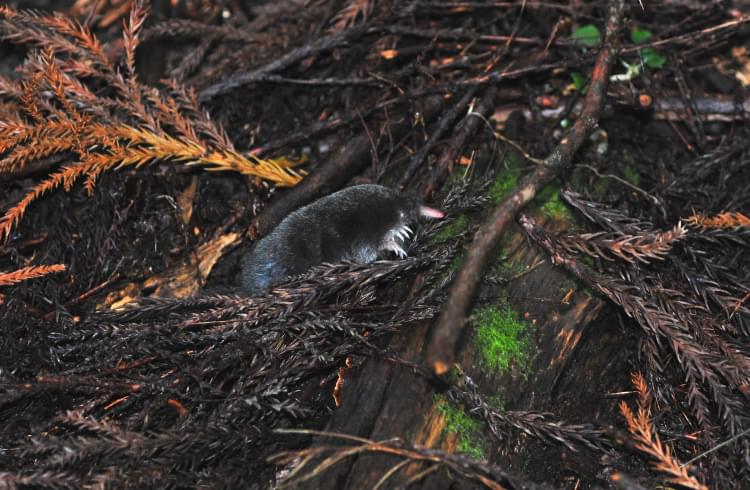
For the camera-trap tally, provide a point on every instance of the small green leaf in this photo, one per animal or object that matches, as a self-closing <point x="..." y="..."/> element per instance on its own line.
<point x="587" y="35"/>
<point x="578" y="81"/>
<point x="639" y="36"/>
<point x="652" y="58"/>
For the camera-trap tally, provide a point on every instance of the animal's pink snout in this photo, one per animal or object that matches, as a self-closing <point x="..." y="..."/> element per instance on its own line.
<point x="431" y="212"/>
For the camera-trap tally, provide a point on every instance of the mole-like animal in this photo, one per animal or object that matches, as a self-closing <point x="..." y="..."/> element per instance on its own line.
<point x="356" y="223"/>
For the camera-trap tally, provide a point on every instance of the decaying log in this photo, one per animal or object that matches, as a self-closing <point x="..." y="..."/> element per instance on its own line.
<point x="450" y="325"/>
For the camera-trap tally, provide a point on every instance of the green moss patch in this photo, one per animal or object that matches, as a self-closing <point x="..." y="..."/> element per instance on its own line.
<point x="456" y="262"/>
<point x="552" y="206"/>
<point x="471" y="441"/>
<point x="459" y="224"/>
<point x="499" y="337"/>
<point x="502" y="184"/>
<point x="502" y="263"/>
<point x="506" y="268"/>
<point x="631" y="175"/>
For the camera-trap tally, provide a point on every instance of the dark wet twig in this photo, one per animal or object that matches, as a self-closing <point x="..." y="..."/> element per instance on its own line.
<point x="693" y="37"/>
<point x="447" y="119"/>
<point x="320" y="82"/>
<point x="624" y="182"/>
<point x="294" y="56"/>
<point x="461" y="137"/>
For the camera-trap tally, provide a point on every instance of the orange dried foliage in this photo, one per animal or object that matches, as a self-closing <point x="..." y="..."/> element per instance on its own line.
<point x="630" y="248"/>
<point x="722" y="220"/>
<point x="138" y="15"/>
<point x="25" y="273"/>
<point x="389" y="54"/>
<point x="642" y="248"/>
<point x="647" y="440"/>
<point x="181" y="410"/>
<point x="123" y="123"/>
<point x="347" y="16"/>
<point x="107" y="11"/>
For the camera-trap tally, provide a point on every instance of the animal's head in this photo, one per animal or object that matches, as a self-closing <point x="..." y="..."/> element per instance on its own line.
<point x="393" y="213"/>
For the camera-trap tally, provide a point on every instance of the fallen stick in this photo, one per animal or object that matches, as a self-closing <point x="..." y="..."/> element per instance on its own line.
<point x="446" y="122"/>
<point x="696" y="37"/>
<point x="663" y="107"/>
<point x="440" y="352"/>
<point x="294" y="56"/>
<point x="459" y="140"/>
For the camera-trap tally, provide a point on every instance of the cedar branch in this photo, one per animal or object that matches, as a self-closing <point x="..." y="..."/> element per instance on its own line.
<point x="122" y="123"/>
<point x="26" y="273"/>
<point x="648" y="442"/>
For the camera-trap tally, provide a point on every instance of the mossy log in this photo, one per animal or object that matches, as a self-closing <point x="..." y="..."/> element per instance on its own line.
<point x="540" y="343"/>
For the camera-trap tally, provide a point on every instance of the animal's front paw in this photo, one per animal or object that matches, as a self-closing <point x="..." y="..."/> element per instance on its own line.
<point x="395" y="247"/>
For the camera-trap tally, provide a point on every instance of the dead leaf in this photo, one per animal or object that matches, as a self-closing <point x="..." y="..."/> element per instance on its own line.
<point x="182" y="281"/>
<point x="185" y="200"/>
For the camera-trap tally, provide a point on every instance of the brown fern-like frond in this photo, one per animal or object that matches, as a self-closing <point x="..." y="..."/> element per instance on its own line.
<point x="713" y="367"/>
<point x="149" y="146"/>
<point x="12" y="132"/>
<point x="9" y="87"/>
<point x="631" y="248"/>
<point x="605" y="217"/>
<point x="648" y="442"/>
<point x="277" y="170"/>
<point x="173" y="114"/>
<point x="347" y="16"/>
<point x="28" y="101"/>
<point x="132" y="29"/>
<point x="722" y="220"/>
<point x="71" y="101"/>
<point x="56" y="32"/>
<point x="104" y="13"/>
<point x="12" y="128"/>
<point x="69" y="26"/>
<point x="26" y="273"/>
<point x="145" y="147"/>
<point x="639" y="383"/>
<point x="63" y="177"/>
<point x="75" y="121"/>
<point x="45" y="145"/>
<point x="187" y="101"/>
